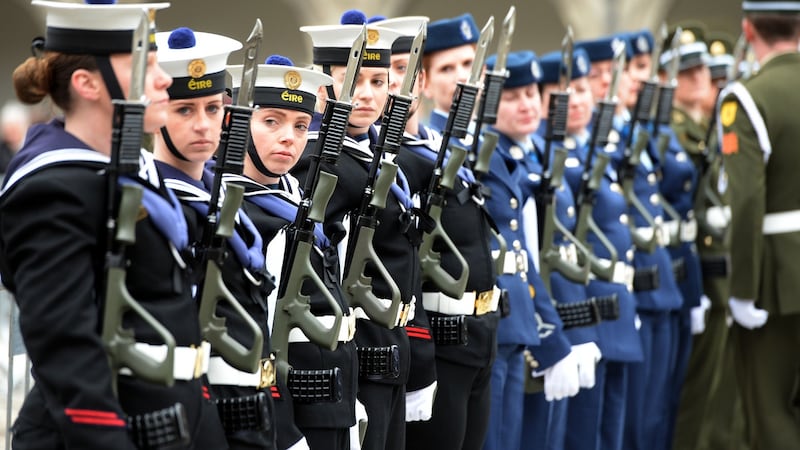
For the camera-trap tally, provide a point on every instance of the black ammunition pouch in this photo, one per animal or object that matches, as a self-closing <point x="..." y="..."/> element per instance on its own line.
<point x="588" y="312"/>
<point x="448" y="330"/>
<point x="646" y="279"/>
<point x="315" y="386"/>
<point x="379" y="363"/>
<point x="244" y="413"/>
<point x="166" y="428"/>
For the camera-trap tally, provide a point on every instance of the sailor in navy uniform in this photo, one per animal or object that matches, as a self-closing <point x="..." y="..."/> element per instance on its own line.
<point x="52" y="258"/>
<point x="196" y="61"/>
<point x="678" y="186"/>
<point x="460" y="414"/>
<point x="396" y="238"/>
<point x="279" y="133"/>
<point x="618" y="340"/>
<point x="655" y="289"/>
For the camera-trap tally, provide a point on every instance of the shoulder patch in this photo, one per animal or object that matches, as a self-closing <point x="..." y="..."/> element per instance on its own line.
<point x="727" y="114"/>
<point x="730" y="143"/>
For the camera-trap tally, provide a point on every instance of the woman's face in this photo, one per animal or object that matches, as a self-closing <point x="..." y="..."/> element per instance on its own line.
<point x="279" y="135"/>
<point x="369" y="96"/>
<point x="194" y="126"/>
<point x="444" y="69"/>
<point x="156" y="83"/>
<point x="581" y="103"/>
<point x="519" y="111"/>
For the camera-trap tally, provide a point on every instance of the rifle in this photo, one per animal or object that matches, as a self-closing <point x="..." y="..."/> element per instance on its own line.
<point x="663" y="113"/>
<point x="552" y="177"/>
<point x="457" y="126"/>
<point x="381" y="174"/>
<point x="593" y="172"/>
<point x="234" y="140"/>
<point x="493" y="82"/>
<point x="632" y="153"/>
<point x="292" y="309"/>
<point x="128" y="123"/>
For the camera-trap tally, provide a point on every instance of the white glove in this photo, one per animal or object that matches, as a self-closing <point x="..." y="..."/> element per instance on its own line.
<point x="561" y="379"/>
<point x="746" y="314"/>
<point x="419" y="403"/>
<point x="358" y="430"/>
<point x="699" y="315"/>
<point x="587" y="355"/>
<point x="637" y="322"/>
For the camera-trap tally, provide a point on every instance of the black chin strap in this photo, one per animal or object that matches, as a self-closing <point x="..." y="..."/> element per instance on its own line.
<point x="170" y="146"/>
<point x="326" y="69"/>
<point x="110" y="79"/>
<point x="259" y="165"/>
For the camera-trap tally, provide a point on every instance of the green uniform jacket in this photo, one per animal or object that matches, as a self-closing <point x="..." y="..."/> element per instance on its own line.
<point x="761" y="135"/>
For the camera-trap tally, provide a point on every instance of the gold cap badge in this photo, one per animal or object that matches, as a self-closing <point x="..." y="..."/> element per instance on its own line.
<point x="197" y="68"/>
<point x="373" y="36"/>
<point x="292" y="79"/>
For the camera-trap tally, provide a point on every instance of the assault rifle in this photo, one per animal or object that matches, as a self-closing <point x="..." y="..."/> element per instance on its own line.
<point x="234" y="140"/>
<point x="444" y="175"/>
<point x="292" y="309"/>
<point x="128" y="127"/>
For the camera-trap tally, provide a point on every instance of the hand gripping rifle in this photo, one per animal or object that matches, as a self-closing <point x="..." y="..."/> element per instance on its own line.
<point x="292" y="309"/>
<point x="632" y="154"/>
<point x="593" y="171"/>
<point x="381" y="175"/>
<point x="234" y="139"/>
<point x="128" y="122"/>
<point x="444" y="175"/>
<point x="552" y="177"/>
<point x="663" y="113"/>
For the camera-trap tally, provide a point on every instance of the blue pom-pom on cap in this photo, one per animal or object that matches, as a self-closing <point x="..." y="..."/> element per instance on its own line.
<point x="353" y="17"/>
<point x="279" y="60"/>
<point x="100" y="2"/>
<point x="181" y="38"/>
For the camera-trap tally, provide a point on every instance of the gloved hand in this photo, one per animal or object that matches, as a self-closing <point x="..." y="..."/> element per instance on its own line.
<point x="358" y="430"/>
<point x="746" y="314"/>
<point x="587" y="356"/>
<point x="699" y="314"/>
<point x="419" y="403"/>
<point x="561" y="379"/>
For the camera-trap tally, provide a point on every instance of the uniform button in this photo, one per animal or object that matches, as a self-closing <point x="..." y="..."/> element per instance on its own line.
<point x="654" y="199"/>
<point x="629" y="255"/>
<point x="707" y="241"/>
<point x="514" y="225"/>
<point x="623" y="219"/>
<point x="615" y="187"/>
<point x="513" y="203"/>
<point x="680" y="157"/>
<point x="651" y="179"/>
<point x="570" y="211"/>
<point x="561" y="188"/>
<point x="516" y="245"/>
<point x="687" y="186"/>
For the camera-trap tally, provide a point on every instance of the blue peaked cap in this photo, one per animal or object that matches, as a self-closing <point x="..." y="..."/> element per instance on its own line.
<point x="551" y="65"/>
<point x="523" y="68"/>
<point x="448" y="33"/>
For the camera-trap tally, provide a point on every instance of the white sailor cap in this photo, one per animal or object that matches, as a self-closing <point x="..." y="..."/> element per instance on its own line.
<point x="279" y="84"/>
<point x="195" y="60"/>
<point x="96" y="27"/>
<point x="408" y="26"/>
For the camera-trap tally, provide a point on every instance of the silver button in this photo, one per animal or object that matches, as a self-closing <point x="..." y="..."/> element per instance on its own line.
<point x="629" y="255"/>
<point x="516" y="152"/>
<point x="570" y="211"/>
<point x="513" y="203"/>
<point x="615" y="187"/>
<point x="623" y="219"/>
<point x="651" y="179"/>
<point x="654" y="200"/>
<point x="687" y="186"/>
<point x="514" y="225"/>
<point x="681" y="157"/>
<point x="516" y="245"/>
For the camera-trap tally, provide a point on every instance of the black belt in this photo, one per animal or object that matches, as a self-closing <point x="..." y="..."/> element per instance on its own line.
<point x="249" y="412"/>
<point x="715" y="267"/>
<point x="646" y="279"/>
<point x="379" y="363"/>
<point x="588" y="312"/>
<point x="315" y="386"/>
<point x="165" y="428"/>
<point x="679" y="269"/>
<point x="448" y="330"/>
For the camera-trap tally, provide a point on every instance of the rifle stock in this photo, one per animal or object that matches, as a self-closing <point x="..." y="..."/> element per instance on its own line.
<point x="586" y="223"/>
<point x="642" y="242"/>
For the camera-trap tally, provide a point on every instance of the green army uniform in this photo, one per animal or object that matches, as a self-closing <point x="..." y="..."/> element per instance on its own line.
<point x="759" y="143"/>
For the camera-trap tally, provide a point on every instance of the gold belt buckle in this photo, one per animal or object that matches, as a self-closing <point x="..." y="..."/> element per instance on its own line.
<point x="198" y="360"/>
<point x="483" y="302"/>
<point x="267" y="371"/>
